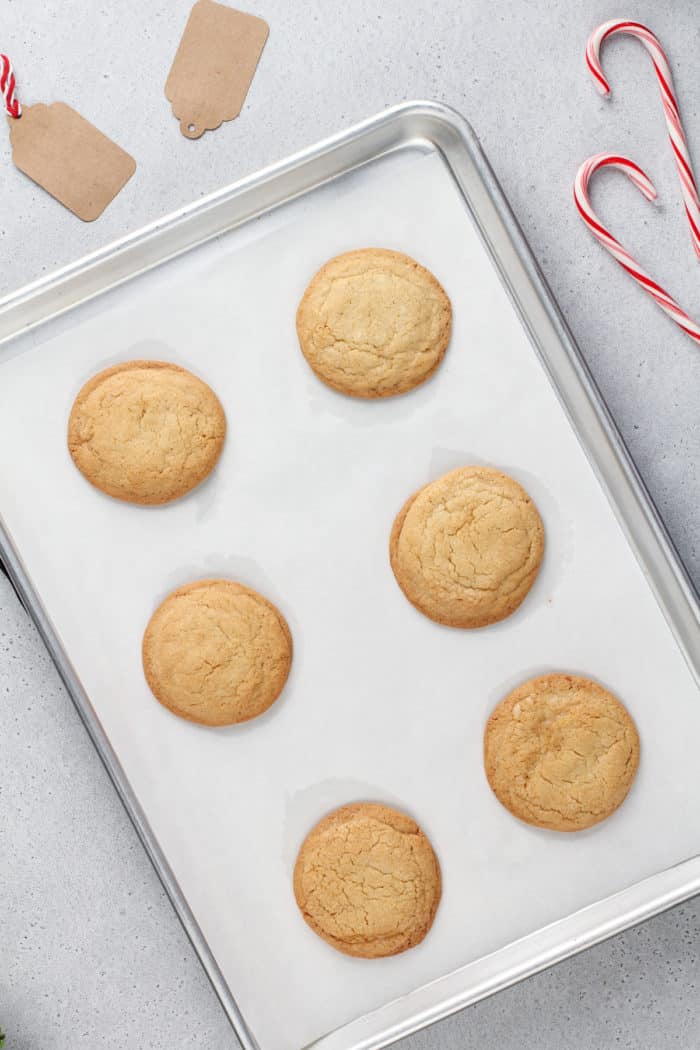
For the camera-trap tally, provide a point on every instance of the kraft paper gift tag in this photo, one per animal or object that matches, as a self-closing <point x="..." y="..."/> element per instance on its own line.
<point x="213" y="67"/>
<point x="69" y="158"/>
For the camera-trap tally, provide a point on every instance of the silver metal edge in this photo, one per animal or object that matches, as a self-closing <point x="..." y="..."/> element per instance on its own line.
<point x="446" y="131"/>
<point x="516" y="961"/>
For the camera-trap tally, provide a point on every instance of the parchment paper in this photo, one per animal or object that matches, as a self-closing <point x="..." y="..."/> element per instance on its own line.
<point x="381" y="704"/>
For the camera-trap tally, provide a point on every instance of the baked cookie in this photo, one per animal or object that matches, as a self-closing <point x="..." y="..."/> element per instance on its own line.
<point x="561" y="752"/>
<point x="217" y="652"/>
<point x="146" y="431"/>
<point x="373" y="323"/>
<point x="466" y="548"/>
<point x="367" y="880"/>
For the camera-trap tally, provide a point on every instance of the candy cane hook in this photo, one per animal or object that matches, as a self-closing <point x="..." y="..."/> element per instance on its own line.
<point x="670" y="104"/>
<point x="620" y="254"/>
<point x="7" y="87"/>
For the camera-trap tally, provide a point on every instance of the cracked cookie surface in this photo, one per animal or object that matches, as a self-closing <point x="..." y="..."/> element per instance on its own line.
<point x="217" y="652"/>
<point x="374" y="323"/>
<point x="367" y="880"/>
<point x="146" y="431"/>
<point x="466" y="548"/>
<point x="561" y="752"/>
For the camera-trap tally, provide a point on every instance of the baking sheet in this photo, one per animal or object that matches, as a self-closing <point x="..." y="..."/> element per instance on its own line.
<point x="381" y="703"/>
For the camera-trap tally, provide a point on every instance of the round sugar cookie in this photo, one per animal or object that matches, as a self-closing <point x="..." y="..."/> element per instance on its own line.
<point x="561" y="752"/>
<point x="217" y="652"/>
<point x="146" y="431"/>
<point x="466" y="548"/>
<point x="367" y="880"/>
<point x="374" y="323"/>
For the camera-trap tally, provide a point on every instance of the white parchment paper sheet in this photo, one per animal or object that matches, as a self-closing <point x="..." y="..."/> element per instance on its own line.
<point x="381" y="704"/>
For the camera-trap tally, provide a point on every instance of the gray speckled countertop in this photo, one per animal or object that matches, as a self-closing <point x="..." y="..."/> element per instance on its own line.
<point x="91" y="953"/>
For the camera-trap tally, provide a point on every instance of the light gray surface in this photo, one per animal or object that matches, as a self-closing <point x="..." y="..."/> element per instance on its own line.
<point x="91" y="954"/>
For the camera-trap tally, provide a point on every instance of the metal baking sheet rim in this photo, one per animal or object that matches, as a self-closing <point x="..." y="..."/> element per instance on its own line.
<point x="446" y="131"/>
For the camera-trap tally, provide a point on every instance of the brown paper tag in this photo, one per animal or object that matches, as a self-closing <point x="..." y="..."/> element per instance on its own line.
<point x="213" y="67"/>
<point x="69" y="158"/>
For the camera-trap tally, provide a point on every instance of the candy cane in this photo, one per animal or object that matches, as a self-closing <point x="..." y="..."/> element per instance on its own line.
<point x="7" y="87"/>
<point x="670" y="104"/>
<point x="623" y="257"/>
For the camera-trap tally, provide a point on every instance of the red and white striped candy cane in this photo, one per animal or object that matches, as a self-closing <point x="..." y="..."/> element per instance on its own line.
<point x="7" y="87"/>
<point x="670" y="104"/>
<point x="620" y="254"/>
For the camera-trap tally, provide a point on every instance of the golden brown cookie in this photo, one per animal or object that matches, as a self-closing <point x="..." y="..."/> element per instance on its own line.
<point x="561" y="752"/>
<point x="466" y="548"/>
<point x="217" y="652"/>
<point x="373" y="323"/>
<point x="367" y="880"/>
<point x="146" y="431"/>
